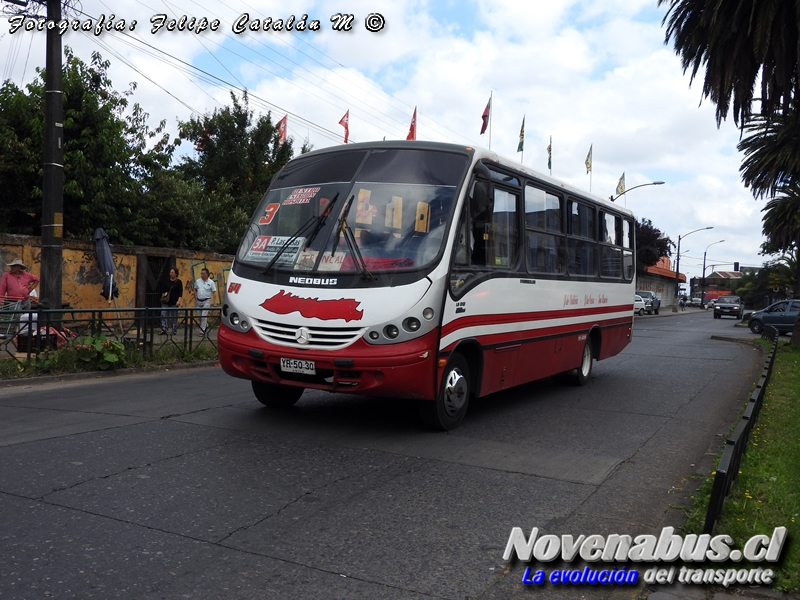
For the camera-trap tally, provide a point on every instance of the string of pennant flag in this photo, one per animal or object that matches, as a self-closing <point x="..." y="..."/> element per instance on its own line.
<point x="486" y="118"/>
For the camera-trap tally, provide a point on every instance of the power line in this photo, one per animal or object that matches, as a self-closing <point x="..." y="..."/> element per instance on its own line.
<point x="211" y="79"/>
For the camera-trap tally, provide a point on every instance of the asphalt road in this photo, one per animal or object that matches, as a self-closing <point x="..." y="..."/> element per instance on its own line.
<point x="180" y="485"/>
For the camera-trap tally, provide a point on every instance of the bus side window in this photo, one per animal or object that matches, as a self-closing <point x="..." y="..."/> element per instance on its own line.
<point x="503" y="234"/>
<point x="543" y="223"/>
<point x="582" y="252"/>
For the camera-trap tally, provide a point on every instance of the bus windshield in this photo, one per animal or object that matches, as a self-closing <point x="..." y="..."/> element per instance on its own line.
<point x="352" y="211"/>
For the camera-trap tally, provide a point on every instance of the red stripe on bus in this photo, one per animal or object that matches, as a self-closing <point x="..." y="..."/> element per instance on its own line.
<point x="532" y="335"/>
<point x="507" y="318"/>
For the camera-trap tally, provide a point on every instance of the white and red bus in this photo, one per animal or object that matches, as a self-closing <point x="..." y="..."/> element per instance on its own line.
<point x="428" y="271"/>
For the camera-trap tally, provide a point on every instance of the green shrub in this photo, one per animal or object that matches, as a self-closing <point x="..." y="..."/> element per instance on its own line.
<point x="99" y="353"/>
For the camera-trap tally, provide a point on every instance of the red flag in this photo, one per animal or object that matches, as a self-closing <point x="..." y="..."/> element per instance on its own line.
<point x="485" y="117"/>
<point x="412" y="131"/>
<point x="282" y="131"/>
<point x="345" y="122"/>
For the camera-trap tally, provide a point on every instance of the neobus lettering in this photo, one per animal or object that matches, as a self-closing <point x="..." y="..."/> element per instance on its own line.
<point x="312" y="281"/>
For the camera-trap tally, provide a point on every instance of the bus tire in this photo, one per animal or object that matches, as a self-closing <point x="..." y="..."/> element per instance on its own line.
<point x="275" y="395"/>
<point x="448" y="410"/>
<point x="583" y="373"/>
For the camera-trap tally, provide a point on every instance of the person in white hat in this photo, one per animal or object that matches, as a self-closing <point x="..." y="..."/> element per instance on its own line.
<point x="17" y="284"/>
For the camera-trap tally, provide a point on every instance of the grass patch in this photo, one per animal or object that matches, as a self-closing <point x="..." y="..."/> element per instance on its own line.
<point x="69" y="360"/>
<point x="766" y="493"/>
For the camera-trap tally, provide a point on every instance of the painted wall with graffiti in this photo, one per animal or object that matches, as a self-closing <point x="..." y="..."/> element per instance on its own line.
<point x="134" y="273"/>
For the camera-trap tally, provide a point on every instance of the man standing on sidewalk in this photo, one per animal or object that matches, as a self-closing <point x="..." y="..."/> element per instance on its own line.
<point x="17" y="284"/>
<point x="204" y="292"/>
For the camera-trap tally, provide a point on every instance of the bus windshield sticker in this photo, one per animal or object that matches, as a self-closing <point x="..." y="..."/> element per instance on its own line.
<point x="306" y="260"/>
<point x="364" y="210"/>
<point x="301" y="196"/>
<point x="332" y="263"/>
<point x="269" y="213"/>
<point x="265" y="246"/>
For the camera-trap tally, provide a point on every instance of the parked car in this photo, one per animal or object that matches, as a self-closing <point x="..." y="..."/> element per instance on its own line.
<point x="781" y="315"/>
<point x="728" y="305"/>
<point x="639" y="305"/>
<point x="695" y="303"/>
<point x="655" y="303"/>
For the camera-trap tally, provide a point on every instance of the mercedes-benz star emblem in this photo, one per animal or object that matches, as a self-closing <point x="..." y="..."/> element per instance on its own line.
<point x="302" y="335"/>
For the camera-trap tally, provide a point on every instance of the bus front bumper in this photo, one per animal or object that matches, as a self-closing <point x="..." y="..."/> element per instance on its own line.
<point x="403" y="370"/>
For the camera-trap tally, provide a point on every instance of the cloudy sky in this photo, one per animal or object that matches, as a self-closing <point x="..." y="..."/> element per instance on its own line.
<point x="586" y="73"/>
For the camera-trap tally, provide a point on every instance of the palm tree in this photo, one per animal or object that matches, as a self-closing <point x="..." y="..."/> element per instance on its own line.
<point x="738" y="42"/>
<point x="771" y="148"/>
<point x="781" y="226"/>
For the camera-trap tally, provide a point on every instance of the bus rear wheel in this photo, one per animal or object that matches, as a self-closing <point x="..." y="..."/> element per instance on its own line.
<point x="275" y="395"/>
<point x="448" y="410"/>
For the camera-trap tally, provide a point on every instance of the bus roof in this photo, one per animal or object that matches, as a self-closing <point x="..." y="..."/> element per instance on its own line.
<point x="479" y="153"/>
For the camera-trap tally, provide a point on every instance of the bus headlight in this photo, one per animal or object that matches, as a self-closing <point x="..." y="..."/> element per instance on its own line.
<point x="411" y="324"/>
<point x="234" y="320"/>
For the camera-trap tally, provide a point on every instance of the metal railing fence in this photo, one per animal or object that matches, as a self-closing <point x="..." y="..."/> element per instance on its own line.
<point x="27" y="334"/>
<point x="736" y="444"/>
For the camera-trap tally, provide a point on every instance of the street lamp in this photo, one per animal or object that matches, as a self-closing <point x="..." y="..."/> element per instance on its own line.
<point x="678" y="265"/>
<point x="612" y="197"/>
<point x="703" y="292"/>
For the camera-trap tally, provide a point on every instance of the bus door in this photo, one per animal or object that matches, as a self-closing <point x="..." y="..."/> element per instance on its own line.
<point x="482" y="284"/>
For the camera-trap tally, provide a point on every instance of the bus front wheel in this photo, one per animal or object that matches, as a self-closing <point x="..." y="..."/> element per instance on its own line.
<point x="448" y="410"/>
<point x="275" y="395"/>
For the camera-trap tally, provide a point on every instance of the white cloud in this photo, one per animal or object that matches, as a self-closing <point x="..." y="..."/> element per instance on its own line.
<point x="582" y="72"/>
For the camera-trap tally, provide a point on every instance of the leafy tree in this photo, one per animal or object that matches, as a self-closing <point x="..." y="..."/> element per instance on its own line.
<point x="236" y="152"/>
<point x="771" y="150"/>
<point x="739" y="43"/>
<point x="781" y="226"/>
<point x="108" y="153"/>
<point x="651" y="244"/>
<point x="20" y="162"/>
<point x="786" y="273"/>
<point x="756" y="287"/>
<point x="118" y="172"/>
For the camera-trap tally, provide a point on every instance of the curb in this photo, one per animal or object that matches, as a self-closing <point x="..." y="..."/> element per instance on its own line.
<point x="43" y="379"/>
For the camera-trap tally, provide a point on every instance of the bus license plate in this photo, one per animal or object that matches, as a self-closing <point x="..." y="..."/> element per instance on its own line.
<point x="293" y="365"/>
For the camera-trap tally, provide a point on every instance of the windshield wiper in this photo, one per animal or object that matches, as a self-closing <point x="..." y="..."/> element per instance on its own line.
<point x="288" y="242"/>
<point x="321" y="220"/>
<point x="343" y="230"/>
<point x="353" y="246"/>
<point x="340" y="224"/>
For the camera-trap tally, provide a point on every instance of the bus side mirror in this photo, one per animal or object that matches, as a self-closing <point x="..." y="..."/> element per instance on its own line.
<point x="481" y="197"/>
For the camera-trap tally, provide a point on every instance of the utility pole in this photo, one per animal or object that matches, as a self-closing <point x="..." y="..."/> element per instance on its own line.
<point x="53" y="184"/>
